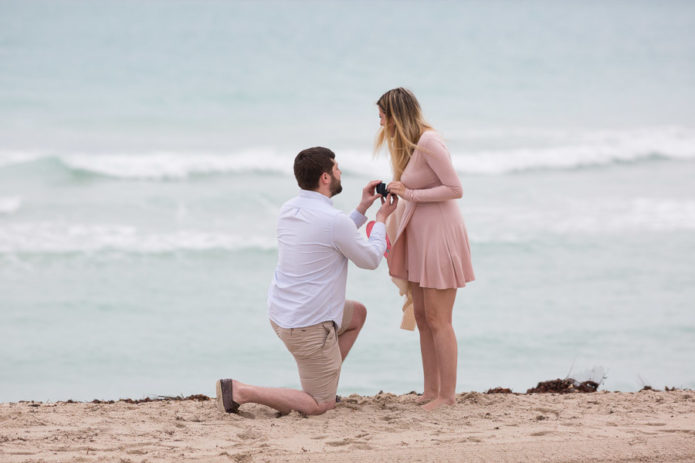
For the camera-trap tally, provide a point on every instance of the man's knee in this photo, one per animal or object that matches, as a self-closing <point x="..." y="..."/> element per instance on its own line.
<point x="322" y="408"/>
<point x="359" y="315"/>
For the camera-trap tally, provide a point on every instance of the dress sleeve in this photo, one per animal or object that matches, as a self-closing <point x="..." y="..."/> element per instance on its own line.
<point x="348" y="240"/>
<point x="437" y="157"/>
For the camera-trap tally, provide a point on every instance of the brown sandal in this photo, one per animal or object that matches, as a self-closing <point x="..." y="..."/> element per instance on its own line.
<point x="225" y="403"/>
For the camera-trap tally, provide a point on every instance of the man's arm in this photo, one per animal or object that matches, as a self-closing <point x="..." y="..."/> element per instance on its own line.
<point x="364" y="253"/>
<point x="358" y="218"/>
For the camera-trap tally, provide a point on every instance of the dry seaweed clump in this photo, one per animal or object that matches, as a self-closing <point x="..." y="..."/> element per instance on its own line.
<point x="563" y="386"/>
<point x="196" y="397"/>
<point x="499" y="390"/>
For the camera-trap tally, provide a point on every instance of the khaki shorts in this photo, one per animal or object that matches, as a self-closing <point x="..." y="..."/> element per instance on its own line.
<point x="315" y="348"/>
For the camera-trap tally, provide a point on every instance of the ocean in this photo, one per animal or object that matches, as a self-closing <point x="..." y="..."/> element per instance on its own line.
<point x="146" y="148"/>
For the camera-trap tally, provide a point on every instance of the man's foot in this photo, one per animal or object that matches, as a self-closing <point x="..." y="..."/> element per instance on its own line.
<point x="438" y="403"/>
<point x="225" y="396"/>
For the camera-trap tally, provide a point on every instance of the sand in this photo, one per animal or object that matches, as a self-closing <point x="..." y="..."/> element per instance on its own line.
<point x="648" y="426"/>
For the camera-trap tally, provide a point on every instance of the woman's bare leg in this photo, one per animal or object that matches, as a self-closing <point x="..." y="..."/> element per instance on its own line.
<point x="439" y="304"/>
<point x="427" y="347"/>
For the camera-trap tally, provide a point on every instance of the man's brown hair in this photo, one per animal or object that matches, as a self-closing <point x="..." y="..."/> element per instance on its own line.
<point x="310" y="164"/>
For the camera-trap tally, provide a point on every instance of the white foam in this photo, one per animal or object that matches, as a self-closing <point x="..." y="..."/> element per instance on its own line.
<point x="582" y="218"/>
<point x="53" y="238"/>
<point x="176" y="166"/>
<point x="11" y="158"/>
<point x="179" y="166"/>
<point x="598" y="148"/>
<point x="639" y="214"/>
<point x="364" y="163"/>
<point x="524" y="150"/>
<point x="10" y="205"/>
<point x="492" y="227"/>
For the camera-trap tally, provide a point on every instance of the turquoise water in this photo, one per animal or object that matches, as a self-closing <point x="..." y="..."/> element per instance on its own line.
<point x="146" y="148"/>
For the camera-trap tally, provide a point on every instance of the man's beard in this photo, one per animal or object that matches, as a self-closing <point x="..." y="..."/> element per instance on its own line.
<point x="335" y="186"/>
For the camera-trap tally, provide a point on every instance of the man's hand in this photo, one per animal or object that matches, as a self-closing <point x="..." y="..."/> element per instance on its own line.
<point x="387" y="207"/>
<point x="369" y="195"/>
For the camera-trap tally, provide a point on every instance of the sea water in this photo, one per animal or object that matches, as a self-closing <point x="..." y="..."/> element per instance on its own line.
<point x="146" y="149"/>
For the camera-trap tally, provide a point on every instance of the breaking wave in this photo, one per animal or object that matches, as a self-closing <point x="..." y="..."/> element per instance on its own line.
<point x="10" y="205"/>
<point x="52" y="238"/>
<point x="557" y="151"/>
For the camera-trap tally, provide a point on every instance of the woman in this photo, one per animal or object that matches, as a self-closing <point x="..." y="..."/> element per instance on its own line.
<point x="430" y="249"/>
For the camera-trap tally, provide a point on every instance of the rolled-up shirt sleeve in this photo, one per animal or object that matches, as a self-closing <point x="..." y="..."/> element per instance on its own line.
<point x="365" y="253"/>
<point x="358" y="218"/>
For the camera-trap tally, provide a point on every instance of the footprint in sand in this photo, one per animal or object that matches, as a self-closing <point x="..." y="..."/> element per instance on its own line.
<point x="339" y="443"/>
<point x="251" y="434"/>
<point x="362" y="445"/>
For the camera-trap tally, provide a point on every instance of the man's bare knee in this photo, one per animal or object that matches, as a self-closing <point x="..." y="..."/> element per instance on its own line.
<point x="359" y="315"/>
<point x="322" y="408"/>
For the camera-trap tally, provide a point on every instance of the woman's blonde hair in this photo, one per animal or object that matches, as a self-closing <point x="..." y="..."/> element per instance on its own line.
<point x="403" y="127"/>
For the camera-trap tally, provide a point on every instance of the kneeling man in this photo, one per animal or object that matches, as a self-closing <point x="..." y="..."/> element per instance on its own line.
<point x="306" y="300"/>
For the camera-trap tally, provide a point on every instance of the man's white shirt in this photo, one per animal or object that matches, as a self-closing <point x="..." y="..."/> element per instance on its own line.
<point x="315" y="241"/>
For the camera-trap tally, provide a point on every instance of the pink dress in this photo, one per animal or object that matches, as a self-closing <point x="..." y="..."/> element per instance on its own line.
<point x="431" y="245"/>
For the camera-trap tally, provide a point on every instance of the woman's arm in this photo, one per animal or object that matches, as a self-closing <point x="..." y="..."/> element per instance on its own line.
<point x="438" y="159"/>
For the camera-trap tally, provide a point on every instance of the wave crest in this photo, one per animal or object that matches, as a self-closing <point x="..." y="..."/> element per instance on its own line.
<point x="10" y="205"/>
<point x="177" y="166"/>
<point x="544" y="151"/>
<point x="51" y="238"/>
<point x="593" y="149"/>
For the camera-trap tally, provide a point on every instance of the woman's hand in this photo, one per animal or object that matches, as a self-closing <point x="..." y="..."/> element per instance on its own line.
<point x="396" y="188"/>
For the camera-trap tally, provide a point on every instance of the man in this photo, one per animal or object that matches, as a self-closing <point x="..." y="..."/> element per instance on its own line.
<point x="306" y="300"/>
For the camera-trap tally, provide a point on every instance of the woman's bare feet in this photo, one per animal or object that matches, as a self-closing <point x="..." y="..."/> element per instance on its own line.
<point x="437" y="403"/>
<point x="425" y="398"/>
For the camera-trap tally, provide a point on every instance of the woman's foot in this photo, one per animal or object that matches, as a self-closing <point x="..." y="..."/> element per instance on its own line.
<point x="425" y="398"/>
<point x="438" y="403"/>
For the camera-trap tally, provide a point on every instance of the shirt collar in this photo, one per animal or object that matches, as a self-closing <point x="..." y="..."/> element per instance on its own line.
<point x="315" y="195"/>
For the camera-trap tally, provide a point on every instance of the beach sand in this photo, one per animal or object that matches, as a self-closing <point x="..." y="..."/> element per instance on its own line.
<point x="649" y="426"/>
